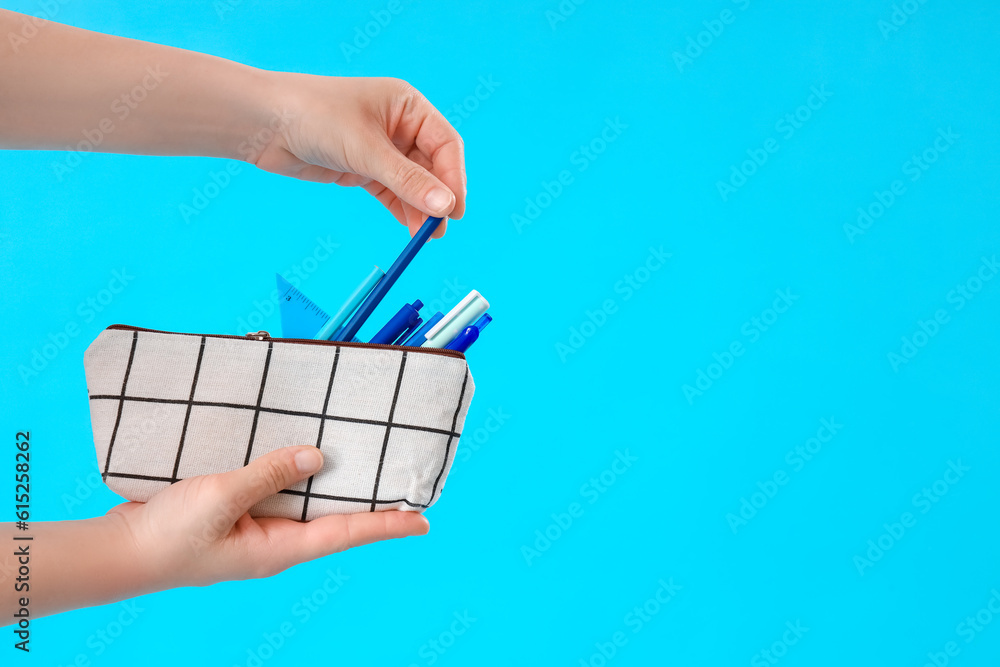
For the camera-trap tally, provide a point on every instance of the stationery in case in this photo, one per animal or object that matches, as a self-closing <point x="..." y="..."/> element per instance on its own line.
<point x="167" y="406"/>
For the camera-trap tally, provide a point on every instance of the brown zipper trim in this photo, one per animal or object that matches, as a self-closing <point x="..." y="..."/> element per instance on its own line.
<point x="304" y="341"/>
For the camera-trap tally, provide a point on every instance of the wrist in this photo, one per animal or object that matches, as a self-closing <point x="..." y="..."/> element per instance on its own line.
<point x="249" y="111"/>
<point x="135" y="571"/>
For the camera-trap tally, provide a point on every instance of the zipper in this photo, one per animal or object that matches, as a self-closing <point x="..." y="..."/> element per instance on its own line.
<point x="263" y="335"/>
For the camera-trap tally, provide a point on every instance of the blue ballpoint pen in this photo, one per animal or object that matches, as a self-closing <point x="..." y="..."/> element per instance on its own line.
<point x="399" y="323"/>
<point x="418" y="338"/>
<point x="464" y="340"/>
<point x="409" y="330"/>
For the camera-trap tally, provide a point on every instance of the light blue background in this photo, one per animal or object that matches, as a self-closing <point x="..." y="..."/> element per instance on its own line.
<point x="656" y="184"/>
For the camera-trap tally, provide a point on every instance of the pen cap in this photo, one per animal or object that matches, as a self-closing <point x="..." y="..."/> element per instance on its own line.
<point x="483" y="321"/>
<point x="459" y="307"/>
<point x="467" y="311"/>
<point x="462" y="341"/>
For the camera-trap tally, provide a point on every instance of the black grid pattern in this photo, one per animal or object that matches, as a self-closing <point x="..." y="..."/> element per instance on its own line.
<point x="258" y="407"/>
<point x="319" y="435"/>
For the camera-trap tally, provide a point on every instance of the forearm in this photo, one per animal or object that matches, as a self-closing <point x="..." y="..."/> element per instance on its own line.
<point x="137" y="97"/>
<point x="68" y="565"/>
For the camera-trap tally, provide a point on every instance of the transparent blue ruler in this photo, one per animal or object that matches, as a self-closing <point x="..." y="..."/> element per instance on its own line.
<point x="300" y="317"/>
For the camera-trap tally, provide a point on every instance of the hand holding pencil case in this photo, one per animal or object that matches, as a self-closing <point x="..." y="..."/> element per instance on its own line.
<point x="167" y="406"/>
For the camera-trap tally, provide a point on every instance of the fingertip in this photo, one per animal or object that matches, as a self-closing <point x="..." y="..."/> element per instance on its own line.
<point x="411" y="524"/>
<point x="439" y="201"/>
<point x="419" y="525"/>
<point x="441" y="230"/>
<point x="308" y="459"/>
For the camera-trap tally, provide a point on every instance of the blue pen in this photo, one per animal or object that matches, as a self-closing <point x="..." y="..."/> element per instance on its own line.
<point x="350" y="329"/>
<point x="399" y="323"/>
<point x="417" y="339"/>
<point x="409" y="330"/>
<point x="464" y="340"/>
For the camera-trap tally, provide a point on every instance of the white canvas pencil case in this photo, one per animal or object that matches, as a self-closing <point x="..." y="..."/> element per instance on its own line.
<point x="167" y="406"/>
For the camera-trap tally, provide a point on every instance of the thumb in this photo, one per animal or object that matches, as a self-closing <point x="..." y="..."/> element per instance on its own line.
<point x="409" y="181"/>
<point x="267" y="475"/>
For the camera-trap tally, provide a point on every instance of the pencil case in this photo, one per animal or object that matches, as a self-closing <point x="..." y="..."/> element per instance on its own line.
<point x="167" y="406"/>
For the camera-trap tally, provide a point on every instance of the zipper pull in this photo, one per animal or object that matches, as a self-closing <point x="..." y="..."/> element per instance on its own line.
<point x="260" y="335"/>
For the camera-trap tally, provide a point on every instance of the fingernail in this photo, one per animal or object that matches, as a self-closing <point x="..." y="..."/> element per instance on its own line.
<point x="438" y="200"/>
<point x="308" y="460"/>
<point x="422" y="528"/>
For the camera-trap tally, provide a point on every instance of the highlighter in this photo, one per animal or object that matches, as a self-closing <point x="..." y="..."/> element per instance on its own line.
<point x="458" y="318"/>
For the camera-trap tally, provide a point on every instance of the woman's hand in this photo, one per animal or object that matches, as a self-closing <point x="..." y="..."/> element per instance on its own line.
<point x="198" y="532"/>
<point x="381" y="134"/>
<point x="374" y="132"/>
<point x="193" y="533"/>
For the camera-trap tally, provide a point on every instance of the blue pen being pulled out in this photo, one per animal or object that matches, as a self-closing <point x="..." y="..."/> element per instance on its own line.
<point x="350" y="329"/>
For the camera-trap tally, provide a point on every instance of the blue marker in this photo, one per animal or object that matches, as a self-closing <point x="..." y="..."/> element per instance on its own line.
<point x="463" y="315"/>
<point x="360" y="292"/>
<point x="400" y="322"/>
<point x="464" y="340"/>
<point x="350" y="329"/>
<point x="417" y="339"/>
